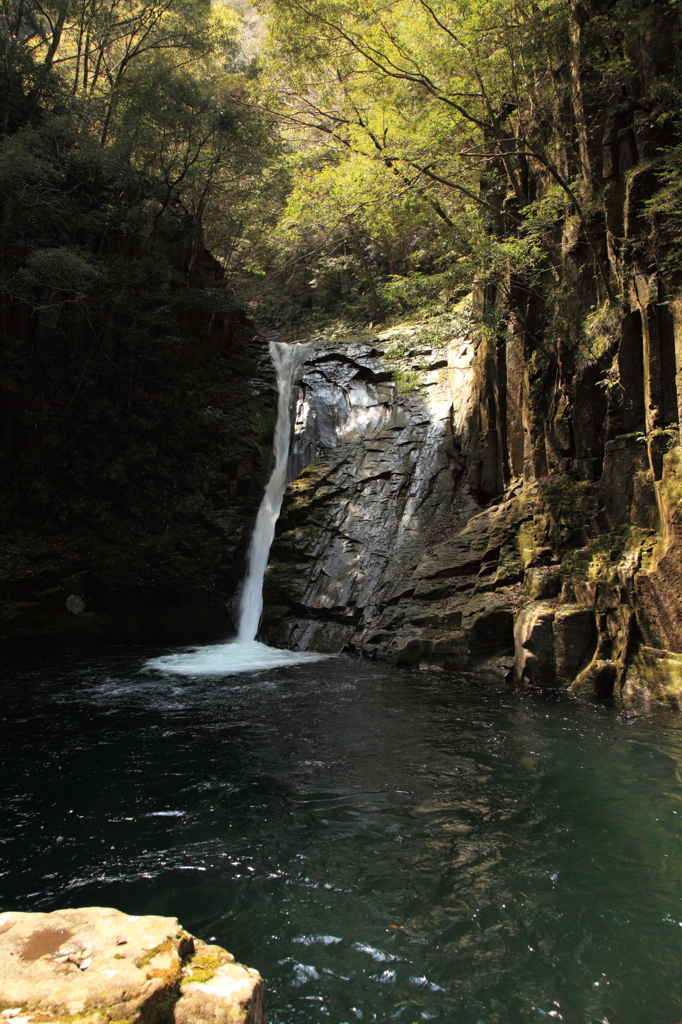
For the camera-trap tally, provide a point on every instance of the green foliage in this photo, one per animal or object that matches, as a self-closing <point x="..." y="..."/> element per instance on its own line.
<point x="60" y="268"/>
<point x="404" y="349"/>
<point x="415" y="290"/>
<point x="665" y="208"/>
<point x="407" y="381"/>
<point x="431" y="144"/>
<point x="600" y="333"/>
<point x="404" y="148"/>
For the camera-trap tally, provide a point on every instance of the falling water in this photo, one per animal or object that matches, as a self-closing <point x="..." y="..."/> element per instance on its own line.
<point x="287" y="359"/>
<point x="246" y="654"/>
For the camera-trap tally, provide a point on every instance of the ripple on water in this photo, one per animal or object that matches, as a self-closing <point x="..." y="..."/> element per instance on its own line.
<point x="381" y="846"/>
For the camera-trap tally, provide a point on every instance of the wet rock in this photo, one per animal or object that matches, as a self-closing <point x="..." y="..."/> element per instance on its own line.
<point x="655" y="674"/>
<point x="355" y="522"/>
<point x="540" y="584"/>
<point x="534" y="644"/>
<point x="575" y="637"/>
<point x="98" y="964"/>
<point x="598" y="679"/>
<point x="339" y="395"/>
<point x="318" y="635"/>
<point x="383" y="547"/>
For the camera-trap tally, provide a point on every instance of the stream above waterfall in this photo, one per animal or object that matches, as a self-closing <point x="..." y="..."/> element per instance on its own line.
<point x="381" y="845"/>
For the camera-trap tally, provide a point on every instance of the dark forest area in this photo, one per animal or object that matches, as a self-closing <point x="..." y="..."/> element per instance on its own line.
<point x="136" y="405"/>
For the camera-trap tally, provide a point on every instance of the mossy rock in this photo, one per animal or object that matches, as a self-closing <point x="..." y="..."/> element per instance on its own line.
<point x="655" y="674"/>
<point x="202" y="967"/>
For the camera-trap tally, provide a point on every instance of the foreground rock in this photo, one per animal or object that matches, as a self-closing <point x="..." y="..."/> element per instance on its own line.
<point x="97" y="965"/>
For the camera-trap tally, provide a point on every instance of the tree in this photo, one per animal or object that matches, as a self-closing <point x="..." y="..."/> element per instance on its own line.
<point x="491" y="106"/>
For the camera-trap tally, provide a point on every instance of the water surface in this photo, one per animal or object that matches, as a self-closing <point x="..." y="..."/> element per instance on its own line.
<point x="381" y="846"/>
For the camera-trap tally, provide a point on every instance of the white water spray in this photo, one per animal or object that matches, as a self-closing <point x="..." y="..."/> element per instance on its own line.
<point x="286" y="359"/>
<point x="246" y="654"/>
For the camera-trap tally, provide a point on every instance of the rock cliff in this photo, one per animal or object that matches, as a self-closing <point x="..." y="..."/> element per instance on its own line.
<point x="429" y="532"/>
<point x="357" y="518"/>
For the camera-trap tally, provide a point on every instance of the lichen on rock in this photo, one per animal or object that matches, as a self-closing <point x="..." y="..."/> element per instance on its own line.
<point x="95" y="965"/>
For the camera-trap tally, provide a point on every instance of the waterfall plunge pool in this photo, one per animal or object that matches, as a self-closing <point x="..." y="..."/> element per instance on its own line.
<point x="381" y="846"/>
<point x="230" y="658"/>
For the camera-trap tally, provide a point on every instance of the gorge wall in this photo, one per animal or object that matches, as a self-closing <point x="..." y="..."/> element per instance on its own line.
<point x="568" y="443"/>
<point x="132" y="460"/>
<point x="358" y="517"/>
<point x="517" y="510"/>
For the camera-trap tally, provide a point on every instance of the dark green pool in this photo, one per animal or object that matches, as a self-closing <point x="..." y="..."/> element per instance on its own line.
<point x="381" y="846"/>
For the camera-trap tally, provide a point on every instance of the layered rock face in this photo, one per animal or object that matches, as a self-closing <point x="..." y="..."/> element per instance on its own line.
<point x="357" y="519"/>
<point x="381" y="546"/>
<point x="448" y="528"/>
<point x="96" y="964"/>
<point x="340" y="396"/>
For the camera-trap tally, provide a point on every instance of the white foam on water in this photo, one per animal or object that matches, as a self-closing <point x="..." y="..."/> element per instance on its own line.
<point x="230" y="659"/>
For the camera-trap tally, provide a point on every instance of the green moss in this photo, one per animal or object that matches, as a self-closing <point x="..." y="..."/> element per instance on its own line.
<point x="599" y="331"/>
<point x="571" y="504"/>
<point x="670" y="485"/>
<point x="646" y="541"/>
<point x="273" y="614"/>
<point x="636" y="435"/>
<point x="163" y="947"/>
<point x="596" y="561"/>
<point x="282" y="574"/>
<point x="407" y="381"/>
<point x="202" y="968"/>
<point x="526" y="543"/>
<point x="655" y="675"/>
<point x="161" y="1008"/>
<point x="407" y="369"/>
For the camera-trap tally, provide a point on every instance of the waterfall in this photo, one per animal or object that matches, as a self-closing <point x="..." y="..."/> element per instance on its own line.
<point x="246" y="654"/>
<point x="286" y="360"/>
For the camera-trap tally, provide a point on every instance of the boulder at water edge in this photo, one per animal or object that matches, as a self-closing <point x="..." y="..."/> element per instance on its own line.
<point x="97" y="965"/>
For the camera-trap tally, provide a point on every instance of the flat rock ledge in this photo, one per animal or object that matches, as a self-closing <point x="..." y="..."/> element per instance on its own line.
<point x="97" y="965"/>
